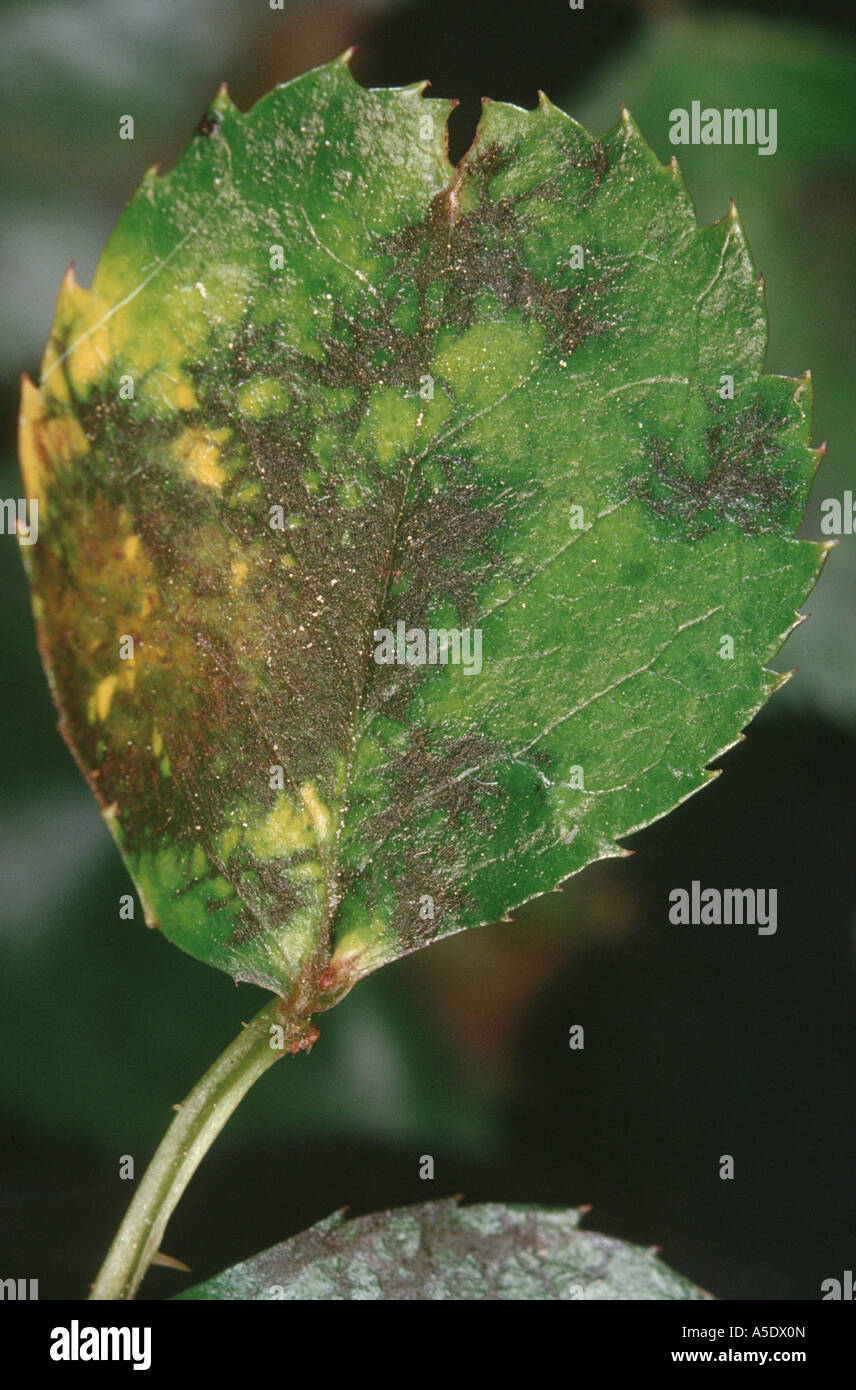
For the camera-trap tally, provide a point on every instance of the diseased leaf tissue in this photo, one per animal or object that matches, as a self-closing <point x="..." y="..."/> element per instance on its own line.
<point x="392" y="519"/>
<point x="440" y="1251"/>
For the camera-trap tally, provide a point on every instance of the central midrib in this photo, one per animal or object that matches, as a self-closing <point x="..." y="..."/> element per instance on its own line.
<point x="331" y="858"/>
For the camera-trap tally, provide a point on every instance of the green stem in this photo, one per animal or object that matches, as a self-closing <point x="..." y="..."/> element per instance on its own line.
<point x="198" y="1122"/>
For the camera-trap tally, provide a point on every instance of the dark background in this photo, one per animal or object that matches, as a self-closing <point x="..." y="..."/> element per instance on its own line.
<point x="698" y="1041"/>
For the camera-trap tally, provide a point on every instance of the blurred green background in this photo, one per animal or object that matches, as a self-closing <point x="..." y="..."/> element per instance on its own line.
<point x="699" y="1042"/>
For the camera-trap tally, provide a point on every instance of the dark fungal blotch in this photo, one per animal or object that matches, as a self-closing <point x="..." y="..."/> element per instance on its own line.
<point x="744" y="482"/>
<point x="478" y="254"/>
<point x="447" y="781"/>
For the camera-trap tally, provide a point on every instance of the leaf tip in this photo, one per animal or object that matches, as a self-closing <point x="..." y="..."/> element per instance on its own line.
<point x="780" y="678"/>
<point x="785" y="676"/>
<point x="414" y="89"/>
<point x="223" y="105"/>
<point x="29" y="451"/>
<point x="28" y="386"/>
<point x="630" y="129"/>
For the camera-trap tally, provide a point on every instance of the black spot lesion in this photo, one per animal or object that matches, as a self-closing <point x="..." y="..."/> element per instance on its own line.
<point x="489" y="160"/>
<point x="411" y="544"/>
<point x="487" y="261"/>
<point x="744" y="483"/>
<point x="477" y="256"/>
<point x="446" y="548"/>
<point x="449" y="774"/>
<point x="269" y="899"/>
<point x="597" y="163"/>
<point x="363" y="351"/>
<point x="485" y="162"/>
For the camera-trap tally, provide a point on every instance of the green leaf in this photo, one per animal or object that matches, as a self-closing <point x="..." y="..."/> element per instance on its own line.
<point x="800" y="208"/>
<point x="439" y="1250"/>
<point x="324" y="387"/>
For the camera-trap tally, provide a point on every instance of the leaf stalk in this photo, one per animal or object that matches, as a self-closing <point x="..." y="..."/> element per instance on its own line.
<point x="199" y="1119"/>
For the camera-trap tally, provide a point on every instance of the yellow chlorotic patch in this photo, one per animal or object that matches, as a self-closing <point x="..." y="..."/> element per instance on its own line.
<point x="198" y="450"/>
<point x="219" y="888"/>
<point x="309" y="871"/>
<point x="317" y="810"/>
<point x="262" y="396"/>
<point x="491" y="358"/>
<point x="285" y="829"/>
<point x="365" y="947"/>
<point x="53" y="385"/>
<point x="348" y="948"/>
<point x="63" y="438"/>
<point x="157" y="744"/>
<point x="101" y="701"/>
<point x="44" y="442"/>
<point x="80" y="335"/>
<point x="153" y="348"/>
<point x="161" y="390"/>
<point x="390" y="424"/>
<point x="130" y="546"/>
<point x="229" y="841"/>
<point x="29" y="445"/>
<point x="239" y="572"/>
<point x="88" y="361"/>
<point x="245" y="493"/>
